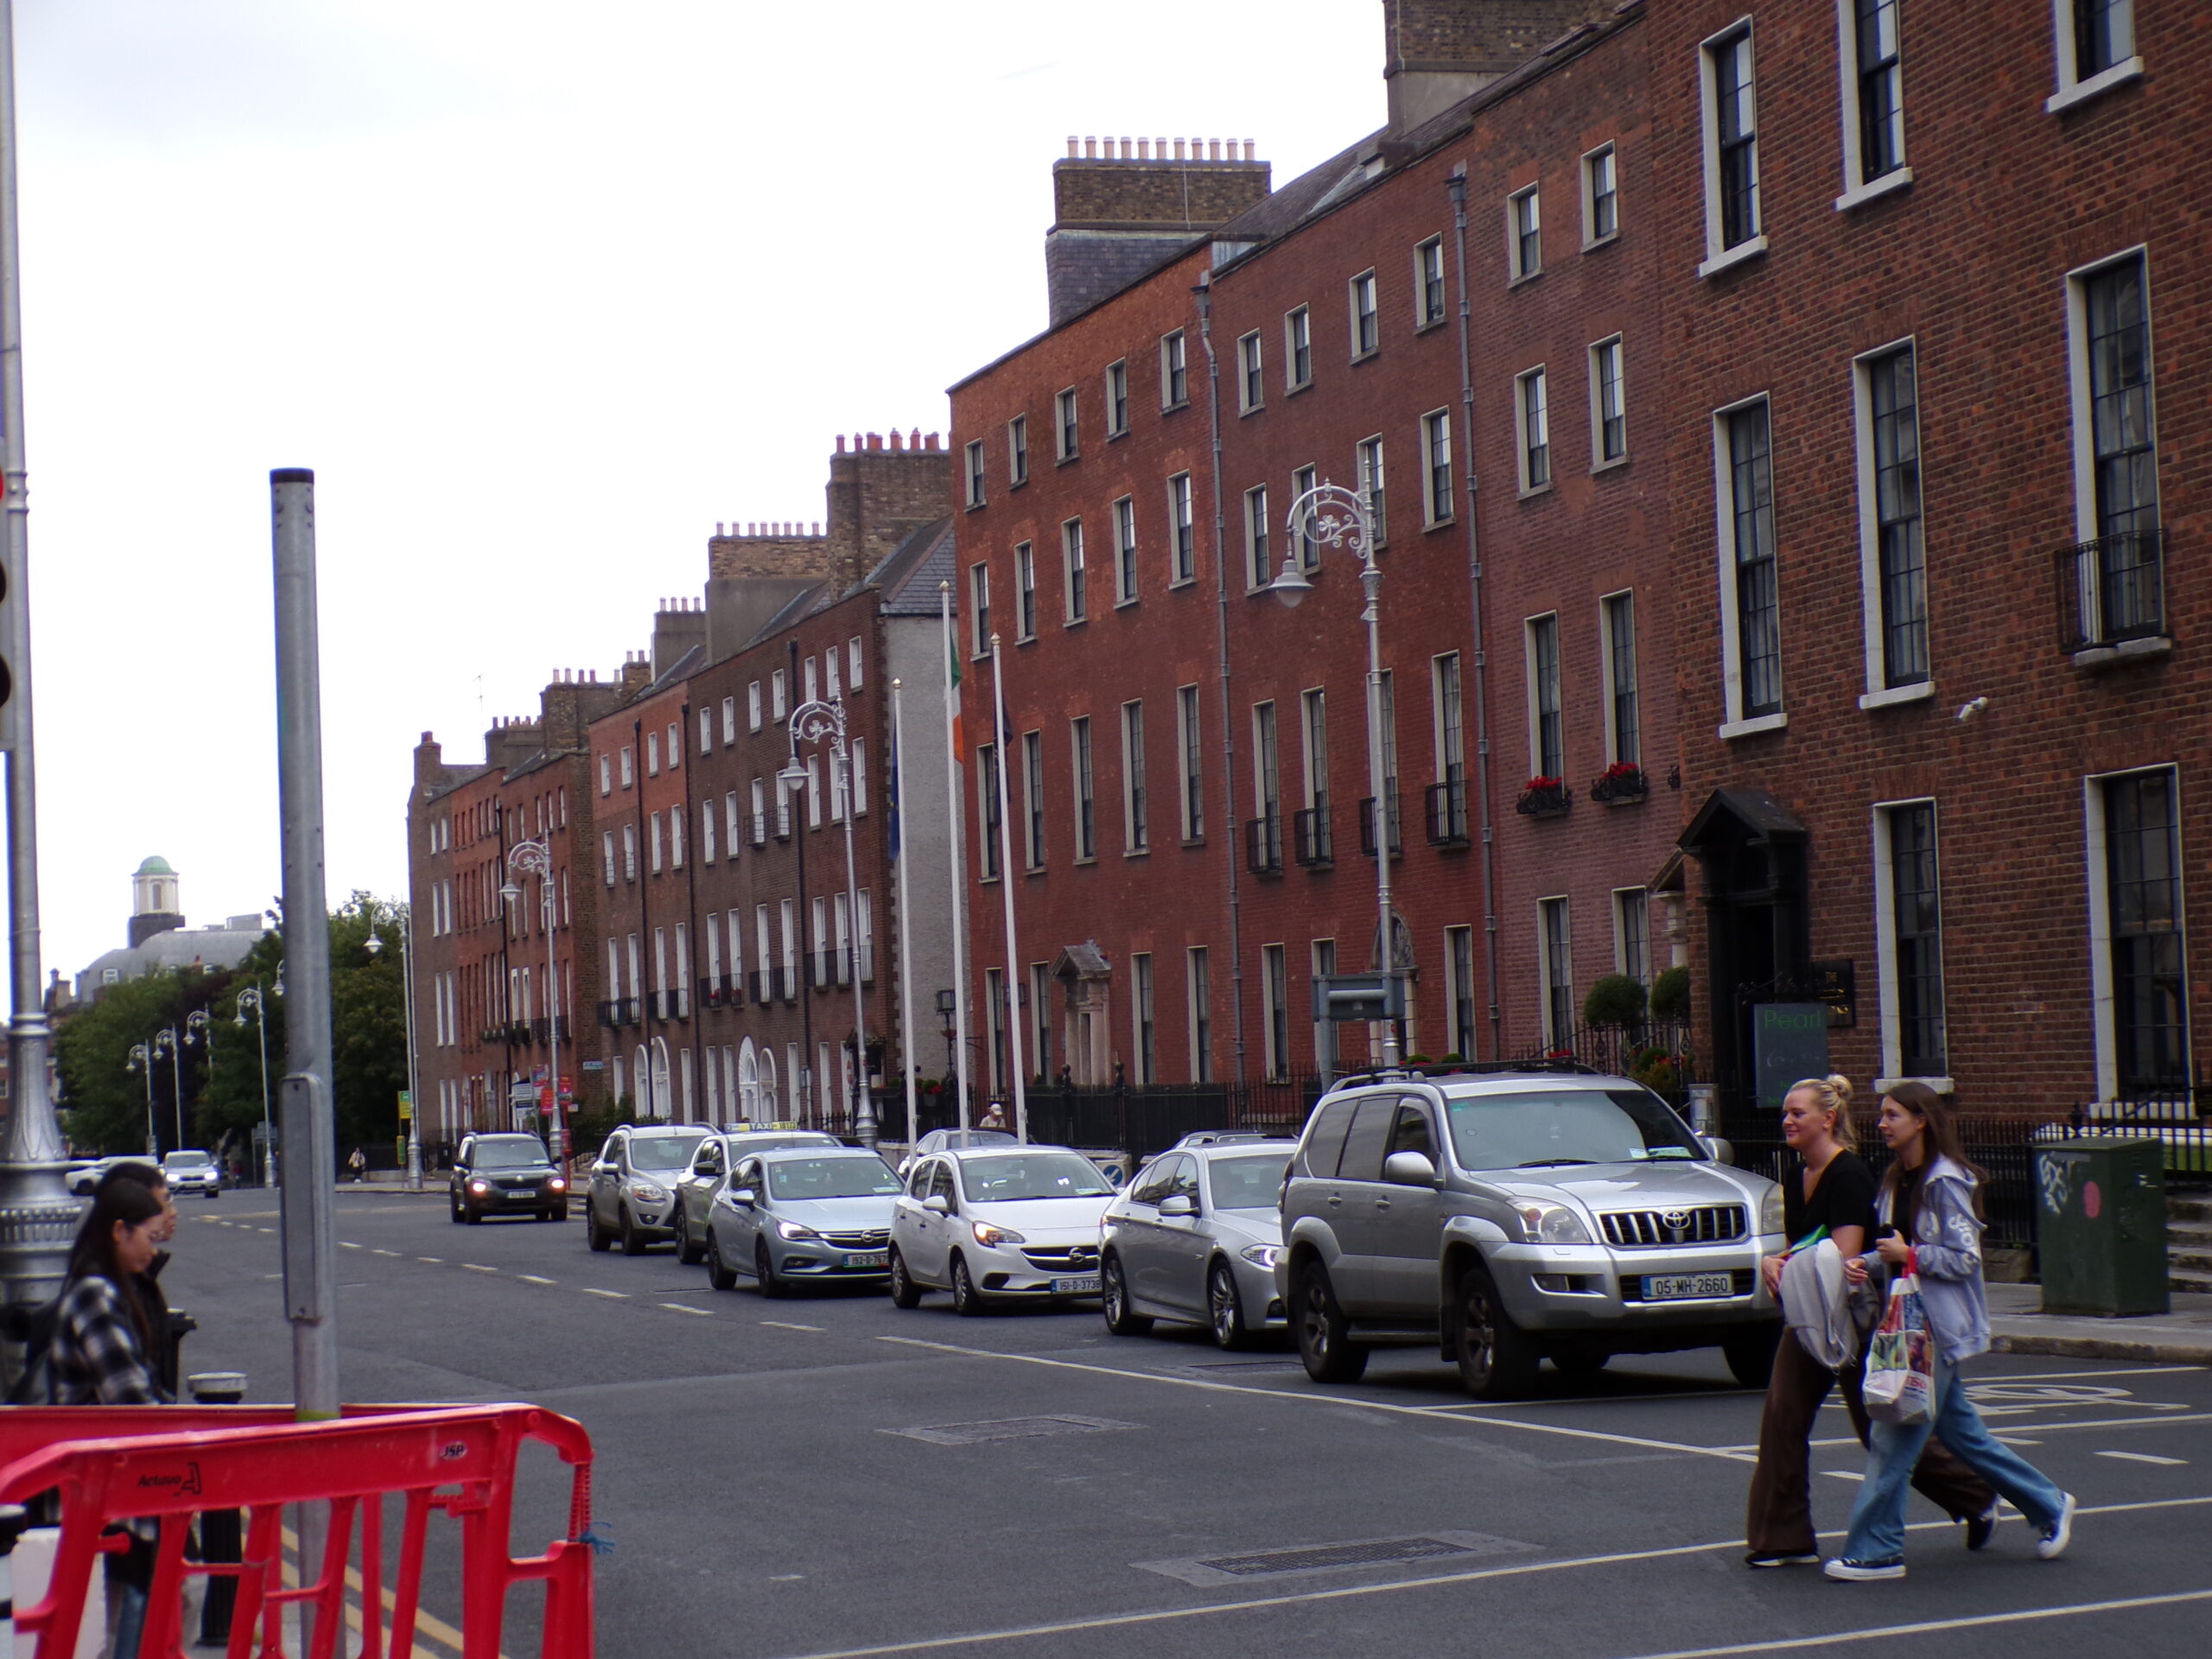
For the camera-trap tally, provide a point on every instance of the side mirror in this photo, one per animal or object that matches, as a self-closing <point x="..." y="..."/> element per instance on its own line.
<point x="937" y="1204"/>
<point x="1178" y="1203"/>
<point x="1409" y="1169"/>
<point x="1717" y="1149"/>
<point x="745" y="1198"/>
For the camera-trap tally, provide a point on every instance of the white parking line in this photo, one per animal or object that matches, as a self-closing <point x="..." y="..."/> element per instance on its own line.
<point x="1348" y="1593"/>
<point x="264" y="1229"/>
<point x="435" y="1260"/>
<point x="534" y="1279"/>
<point x="678" y="1308"/>
<point x="1834" y="1638"/>
<point x="782" y="1324"/>
<point x="394" y="1254"/>
<point x="2145" y="1457"/>
<point x="618" y="1295"/>
<point x="477" y="1267"/>
<point x="347" y="1244"/>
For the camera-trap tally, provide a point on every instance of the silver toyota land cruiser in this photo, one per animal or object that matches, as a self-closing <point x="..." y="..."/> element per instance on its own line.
<point x="1511" y="1216"/>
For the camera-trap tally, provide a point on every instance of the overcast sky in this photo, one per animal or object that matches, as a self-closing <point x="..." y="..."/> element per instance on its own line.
<point x="542" y="292"/>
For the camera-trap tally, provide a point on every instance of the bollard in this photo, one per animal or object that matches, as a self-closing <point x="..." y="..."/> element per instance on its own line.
<point x="222" y="1535"/>
<point x="12" y="1522"/>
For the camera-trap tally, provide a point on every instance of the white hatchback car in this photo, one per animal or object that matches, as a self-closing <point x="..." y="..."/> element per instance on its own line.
<point x="998" y="1224"/>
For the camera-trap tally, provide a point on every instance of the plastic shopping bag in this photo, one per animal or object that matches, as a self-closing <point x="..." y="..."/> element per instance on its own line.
<point x="1901" y="1357"/>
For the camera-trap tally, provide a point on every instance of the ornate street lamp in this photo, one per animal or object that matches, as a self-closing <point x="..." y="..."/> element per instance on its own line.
<point x="536" y="858"/>
<point x="251" y="999"/>
<point x="165" y="1042"/>
<point x="141" y="1061"/>
<point x="814" y="721"/>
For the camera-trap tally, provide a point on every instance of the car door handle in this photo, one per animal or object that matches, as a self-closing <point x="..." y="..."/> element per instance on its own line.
<point x="1334" y="1201"/>
<point x="1381" y="1204"/>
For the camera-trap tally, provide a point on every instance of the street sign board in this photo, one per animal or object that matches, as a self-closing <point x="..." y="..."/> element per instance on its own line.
<point x="1354" y="998"/>
<point x="1789" y="1040"/>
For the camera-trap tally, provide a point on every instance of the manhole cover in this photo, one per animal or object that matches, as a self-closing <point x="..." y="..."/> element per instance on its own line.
<point x="1007" y="1428"/>
<point x="1337" y="1557"/>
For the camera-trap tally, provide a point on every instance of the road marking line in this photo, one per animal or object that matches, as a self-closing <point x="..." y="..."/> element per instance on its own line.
<point x="1796" y="1643"/>
<point x="782" y="1324"/>
<point x="2145" y="1457"/>
<point x="619" y="1295"/>
<point x="1729" y="1453"/>
<point x="1716" y="1392"/>
<point x="1842" y="1474"/>
<point x="1112" y="1621"/>
<point x="678" y="1308"/>
<point x="426" y="1622"/>
<point x="435" y="1260"/>
<point x="393" y="1254"/>
<point x="477" y="1267"/>
<point x="347" y="1244"/>
<point x="535" y="1279"/>
<point x="2081" y="1376"/>
<point x="2011" y="1429"/>
<point x="264" y="1229"/>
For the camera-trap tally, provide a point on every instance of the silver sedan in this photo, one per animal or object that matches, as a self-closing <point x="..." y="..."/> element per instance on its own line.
<point x="791" y="1216"/>
<point x="1195" y="1238"/>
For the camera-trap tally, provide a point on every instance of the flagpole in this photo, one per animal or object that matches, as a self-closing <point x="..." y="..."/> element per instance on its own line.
<point x="953" y="806"/>
<point x="1006" y="893"/>
<point x="906" y="908"/>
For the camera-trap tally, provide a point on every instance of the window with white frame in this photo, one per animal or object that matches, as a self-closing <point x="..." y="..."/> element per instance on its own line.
<point x="1436" y="457"/>
<point x="860" y="777"/>
<point x="1297" y="349"/>
<point x="1125" y="550"/>
<point x="676" y="837"/>
<point x="732" y="824"/>
<point x="1259" y="567"/>
<point x="753" y="717"/>
<point x="1073" y="571"/>
<point x="987" y="805"/>
<point x="606" y="855"/>
<point x="629" y="852"/>
<point x="1032" y="790"/>
<point x="1197" y="982"/>
<point x="1066" y="437"/>
<point x="2139" y="962"/>
<point x="855" y="660"/>
<point x="1732" y="222"/>
<point x="652" y="754"/>
<point x="979" y="613"/>
<point x="813" y="791"/>
<point x="1017" y="451"/>
<point x="1447" y="817"/>
<point x="1086" y="803"/>
<point x="1025" y="593"/>
<point x="706" y="731"/>
<point x="730" y="721"/>
<point x="1632" y="934"/>
<point x="1313" y="722"/>
<point x="1624" y="717"/>
<point x="1608" y="405"/>
<point x="1367" y="467"/>
<point x="1366" y="326"/>
<point x="810" y="677"/>
<point x="1750" y="602"/>
<point x="1909" y="936"/>
<point x="976" y="473"/>
<point x="1174" y="370"/>
<point x="1117" y="399"/>
<point x="1190" y="739"/>
<point x="606" y="774"/>
<point x="1546" y="720"/>
<point x="832" y="678"/>
<point x="1267" y="787"/>
<point x="1524" y="234"/>
<point x="1555" y="963"/>
<point x="1532" y="421"/>
<point x="1251" y="374"/>
<point x="2119" y="567"/>
<point x="1870" y="56"/>
<point x="779" y="695"/>
<point x="1459" y="989"/>
<point x="1428" y="281"/>
<point x="1141" y="1017"/>
<point x="1323" y="960"/>
<point x="629" y="770"/>
<point x="995" y="1013"/>
<point x="1601" y="196"/>
<point x="1039" y="1060"/>
<point x="1302" y="481"/>
<point x="1182" y="538"/>
<point x="760" y="812"/>
<point x="1274" y="1010"/>
<point x="1891" y="560"/>
<point x="2096" y="48"/>
<point x="1134" y="837"/>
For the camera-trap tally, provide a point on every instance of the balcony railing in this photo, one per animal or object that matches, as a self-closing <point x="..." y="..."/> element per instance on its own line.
<point x="1263" y="844"/>
<point x="512" y="1032"/>
<point x="721" y="990"/>
<point x="1447" y="813"/>
<point x="1367" y="826"/>
<point x="787" y="982"/>
<point x="619" y="1011"/>
<point x="2111" y="590"/>
<point x="1310" y="834"/>
<point x="542" y="1030"/>
<point x="756" y="825"/>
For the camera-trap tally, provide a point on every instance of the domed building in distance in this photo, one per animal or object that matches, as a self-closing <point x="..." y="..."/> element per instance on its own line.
<point x="159" y="940"/>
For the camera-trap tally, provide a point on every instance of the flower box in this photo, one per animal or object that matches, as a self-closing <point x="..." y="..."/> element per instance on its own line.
<point x="1544" y="797"/>
<point x="1623" y="785"/>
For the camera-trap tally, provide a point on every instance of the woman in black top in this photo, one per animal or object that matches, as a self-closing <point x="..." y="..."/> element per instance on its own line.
<point x="1831" y="1190"/>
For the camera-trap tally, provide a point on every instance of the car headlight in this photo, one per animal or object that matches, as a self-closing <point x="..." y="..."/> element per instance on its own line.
<point x="793" y="1231"/>
<point x="989" y="1237"/>
<point x="646" y="1193"/>
<point x="478" y="1187"/>
<point x="559" y="1184"/>
<point x="1553" y="1224"/>
<point x="1770" y="1213"/>
<point x="1262" y="1256"/>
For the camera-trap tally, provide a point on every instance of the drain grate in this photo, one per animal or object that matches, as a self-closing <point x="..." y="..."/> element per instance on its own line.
<point x="1007" y="1428"/>
<point x="1448" y="1547"/>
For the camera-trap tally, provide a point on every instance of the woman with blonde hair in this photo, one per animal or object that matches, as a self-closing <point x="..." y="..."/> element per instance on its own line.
<point x="1829" y="1195"/>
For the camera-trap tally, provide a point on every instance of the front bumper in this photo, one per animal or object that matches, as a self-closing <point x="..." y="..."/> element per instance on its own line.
<point x="1595" y="1288"/>
<point x="1265" y="1309"/>
<point x="818" y="1258"/>
<point x="498" y="1199"/>
<point x="1035" y="1272"/>
<point x="205" y="1187"/>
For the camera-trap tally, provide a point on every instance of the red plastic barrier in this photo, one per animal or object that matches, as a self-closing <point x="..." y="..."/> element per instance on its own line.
<point x="457" y="1459"/>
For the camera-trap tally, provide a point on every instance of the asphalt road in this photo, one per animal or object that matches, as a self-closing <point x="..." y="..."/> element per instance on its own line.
<point x="829" y="1476"/>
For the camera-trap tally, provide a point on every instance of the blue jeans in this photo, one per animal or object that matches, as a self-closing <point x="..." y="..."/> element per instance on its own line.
<point x="1878" y="1520"/>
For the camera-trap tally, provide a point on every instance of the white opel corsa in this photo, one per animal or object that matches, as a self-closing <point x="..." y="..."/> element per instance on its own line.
<point x="998" y="1224"/>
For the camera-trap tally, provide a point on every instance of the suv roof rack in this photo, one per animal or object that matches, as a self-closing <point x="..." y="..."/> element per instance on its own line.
<point x="1468" y="1069"/>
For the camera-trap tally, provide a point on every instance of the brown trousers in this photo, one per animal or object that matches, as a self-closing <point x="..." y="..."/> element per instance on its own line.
<point x="1780" y="1515"/>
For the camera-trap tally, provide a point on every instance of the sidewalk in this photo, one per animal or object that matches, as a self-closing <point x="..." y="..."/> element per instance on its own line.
<point x="2181" y="1336"/>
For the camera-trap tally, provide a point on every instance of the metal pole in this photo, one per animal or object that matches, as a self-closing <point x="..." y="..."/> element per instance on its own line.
<point x="864" y="1123"/>
<point x="176" y="1079"/>
<point x="1370" y="582"/>
<point x="413" y="1100"/>
<point x="558" y="1131"/>
<point x="308" y="1201"/>
<point x="1006" y="894"/>
<point x="906" y="912"/>
<point x="955" y="808"/>
<point x="38" y="1218"/>
<point x="268" y="1129"/>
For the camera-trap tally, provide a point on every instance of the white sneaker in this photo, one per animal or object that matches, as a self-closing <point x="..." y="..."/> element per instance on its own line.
<point x="2058" y="1533"/>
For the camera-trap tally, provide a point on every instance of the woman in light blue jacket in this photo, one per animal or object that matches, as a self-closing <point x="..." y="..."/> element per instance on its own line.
<point x="1930" y="1197"/>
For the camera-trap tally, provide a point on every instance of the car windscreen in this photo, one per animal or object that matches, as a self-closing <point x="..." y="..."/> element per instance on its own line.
<point x="1546" y="1129"/>
<point x="1253" y="1182"/>
<point x="857" y="1176"/>
<point x="506" y="1154"/>
<point x="1032" y="1175"/>
<point x="183" y="1160"/>
<point x="662" y="1150"/>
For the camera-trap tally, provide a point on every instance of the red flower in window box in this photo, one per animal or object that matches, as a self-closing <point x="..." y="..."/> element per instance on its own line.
<point x="1624" y="781"/>
<point x="1543" y="797"/>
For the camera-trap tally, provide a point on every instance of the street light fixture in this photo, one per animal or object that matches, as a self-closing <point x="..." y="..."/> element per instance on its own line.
<point x="167" y="1042"/>
<point x="141" y="1061"/>
<point x="250" y="998"/>
<point x="536" y="858"/>
<point x="1329" y="515"/>
<point x="814" y="721"/>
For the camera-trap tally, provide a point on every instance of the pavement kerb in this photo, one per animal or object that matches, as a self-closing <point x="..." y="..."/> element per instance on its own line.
<point x="2179" y="1348"/>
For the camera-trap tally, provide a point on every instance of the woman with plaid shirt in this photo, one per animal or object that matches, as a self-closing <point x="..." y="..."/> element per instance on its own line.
<point x="101" y="1341"/>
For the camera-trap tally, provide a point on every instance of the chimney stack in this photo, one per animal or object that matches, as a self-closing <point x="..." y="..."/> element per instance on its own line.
<point x="1437" y="51"/>
<point x="1122" y="212"/>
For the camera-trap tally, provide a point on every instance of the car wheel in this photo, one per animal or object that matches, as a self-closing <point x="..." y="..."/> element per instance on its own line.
<point x="967" y="1300"/>
<point x="1749" y="1350"/>
<point x="905" y="1293"/>
<point x="634" y="1243"/>
<point x="689" y="1253"/>
<point x="595" y="1235"/>
<point x="1581" y="1363"/>
<point x="556" y="1212"/>
<point x="1225" y="1309"/>
<point x="471" y="1215"/>
<point x="1113" y="1300"/>
<point x="1496" y="1359"/>
<point x="454" y="1206"/>
<point x="764" y="1270"/>
<point x="1328" y="1357"/>
<point x="718" y="1271"/>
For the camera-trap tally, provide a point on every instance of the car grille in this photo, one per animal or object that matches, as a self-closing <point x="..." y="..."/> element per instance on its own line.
<point x="1710" y="1223"/>
<point x="873" y="1239"/>
<point x="1739" y="1281"/>
<point x="1066" y="1258"/>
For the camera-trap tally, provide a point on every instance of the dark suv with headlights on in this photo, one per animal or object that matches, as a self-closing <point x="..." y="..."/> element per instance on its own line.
<point x="505" y="1175"/>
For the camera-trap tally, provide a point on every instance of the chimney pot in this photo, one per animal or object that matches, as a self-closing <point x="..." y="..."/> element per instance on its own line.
<point x="1071" y="146"/>
<point x="1179" y="150"/>
<point x="1247" y="149"/>
<point x="841" y="443"/>
<point x="914" y="438"/>
<point x="1144" y="150"/>
<point x="897" y="439"/>
<point x="1090" y="147"/>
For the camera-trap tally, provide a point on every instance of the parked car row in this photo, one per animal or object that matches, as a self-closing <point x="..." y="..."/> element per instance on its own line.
<point x="187" y="1170"/>
<point x="1505" y="1216"/>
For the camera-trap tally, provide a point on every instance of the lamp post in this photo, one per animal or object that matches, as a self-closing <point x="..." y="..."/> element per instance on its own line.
<point x="196" y="1029"/>
<point x="374" y="944"/>
<point x="141" y="1061"/>
<point x="946" y="1009"/>
<point x="1329" y="515"/>
<point x="250" y="998"/>
<point x="536" y="858"/>
<point x="165" y="1042"/>
<point x="812" y="722"/>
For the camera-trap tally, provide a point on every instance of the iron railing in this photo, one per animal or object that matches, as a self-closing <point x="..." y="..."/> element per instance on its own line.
<point x="1447" y="813"/>
<point x="1310" y="834"/>
<point x="2111" y="590"/>
<point x="1263" y="844"/>
<point x="619" y="1011"/>
<point x="1367" y="826"/>
<point x="542" y="1030"/>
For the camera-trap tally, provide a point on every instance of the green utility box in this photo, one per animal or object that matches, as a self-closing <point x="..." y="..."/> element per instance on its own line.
<point x="2100" y="1209"/>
